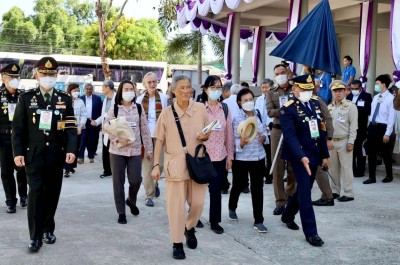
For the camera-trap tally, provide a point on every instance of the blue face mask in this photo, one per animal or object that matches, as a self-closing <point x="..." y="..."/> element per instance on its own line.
<point x="378" y="88"/>
<point x="215" y="95"/>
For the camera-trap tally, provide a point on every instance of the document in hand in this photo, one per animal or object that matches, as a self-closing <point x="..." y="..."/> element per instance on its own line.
<point x="121" y="128"/>
<point x="210" y="126"/>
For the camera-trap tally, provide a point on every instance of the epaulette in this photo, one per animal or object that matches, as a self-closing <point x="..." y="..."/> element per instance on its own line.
<point x="287" y="104"/>
<point x="61" y="92"/>
<point x="315" y="97"/>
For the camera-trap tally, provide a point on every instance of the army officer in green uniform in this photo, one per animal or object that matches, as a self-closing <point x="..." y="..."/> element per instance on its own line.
<point x="44" y="138"/>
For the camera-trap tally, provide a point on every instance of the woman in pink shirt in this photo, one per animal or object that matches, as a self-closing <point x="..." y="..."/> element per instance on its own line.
<point x="127" y="158"/>
<point x="220" y="145"/>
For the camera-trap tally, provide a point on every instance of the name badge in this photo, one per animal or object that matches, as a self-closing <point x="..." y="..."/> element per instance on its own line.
<point x="340" y="119"/>
<point x="360" y="103"/>
<point x="313" y="125"/>
<point x="282" y="100"/>
<point x="45" y="120"/>
<point x="133" y="125"/>
<point x="11" y="111"/>
<point x="217" y="127"/>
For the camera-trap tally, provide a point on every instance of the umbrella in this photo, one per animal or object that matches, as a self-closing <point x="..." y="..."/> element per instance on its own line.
<point x="121" y="128"/>
<point x="313" y="42"/>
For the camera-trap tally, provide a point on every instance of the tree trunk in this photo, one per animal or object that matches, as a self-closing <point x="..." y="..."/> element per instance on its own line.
<point x="199" y="60"/>
<point x="103" y="37"/>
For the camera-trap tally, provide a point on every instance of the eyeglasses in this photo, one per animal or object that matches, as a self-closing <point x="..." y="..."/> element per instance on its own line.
<point x="215" y="87"/>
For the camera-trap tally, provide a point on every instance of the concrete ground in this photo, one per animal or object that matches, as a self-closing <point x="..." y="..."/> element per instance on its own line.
<point x="364" y="231"/>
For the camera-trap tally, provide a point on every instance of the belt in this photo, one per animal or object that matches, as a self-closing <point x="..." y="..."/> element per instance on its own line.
<point x="6" y="131"/>
<point x="378" y="124"/>
<point x="339" y="139"/>
<point x="276" y="126"/>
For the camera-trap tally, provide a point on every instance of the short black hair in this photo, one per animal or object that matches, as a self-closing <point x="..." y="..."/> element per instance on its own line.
<point x="242" y="92"/>
<point x="384" y="79"/>
<point x="118" y="97"/>
<point x="357" y="83"/>
<point x="245" y="84"/>
<point x="210" y="81"/>
<point x="280" y="65"/>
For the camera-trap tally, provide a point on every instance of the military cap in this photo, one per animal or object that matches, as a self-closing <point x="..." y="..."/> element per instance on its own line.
<point x="337" y="84"/>
<point x="46" y="65"/>
<point x="11" y="69"/>
<point x="304" y="81"/>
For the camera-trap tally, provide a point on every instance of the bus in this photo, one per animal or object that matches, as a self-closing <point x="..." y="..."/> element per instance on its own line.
<point x="86" y="69"/>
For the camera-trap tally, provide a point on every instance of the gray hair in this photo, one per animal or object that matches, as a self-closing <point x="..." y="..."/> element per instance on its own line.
<point x="109" y="83"/>
<point x="268" y="81"/>
<point x="88" y="84"/>
<point x="178" y="78"/>
<point x="235" y="88"/>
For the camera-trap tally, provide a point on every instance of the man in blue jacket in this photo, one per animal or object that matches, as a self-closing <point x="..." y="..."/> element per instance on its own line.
<point x="305" y="148"/>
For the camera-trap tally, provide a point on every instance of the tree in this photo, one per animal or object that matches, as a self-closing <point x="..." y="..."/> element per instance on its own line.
<point x="102" y="18"/>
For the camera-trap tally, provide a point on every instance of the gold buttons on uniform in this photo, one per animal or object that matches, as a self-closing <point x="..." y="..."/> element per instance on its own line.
<point x="47" y="133"/>
<point x="47" y="144"/>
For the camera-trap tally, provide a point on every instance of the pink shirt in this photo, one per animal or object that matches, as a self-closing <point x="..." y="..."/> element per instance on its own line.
<point x="221" y="143"/>
<point x="132" y="116"/>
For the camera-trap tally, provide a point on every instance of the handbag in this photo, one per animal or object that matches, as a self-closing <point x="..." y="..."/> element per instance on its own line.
<point x="201" y="169"/>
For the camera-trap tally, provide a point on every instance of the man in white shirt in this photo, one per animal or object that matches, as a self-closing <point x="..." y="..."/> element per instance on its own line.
<point x="231" y="101"/>
<point x="261" y="106"/>
<point x="108" y="102"/>
<point x="380" y="128"/>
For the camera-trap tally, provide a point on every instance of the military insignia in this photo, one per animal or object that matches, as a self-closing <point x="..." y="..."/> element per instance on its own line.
<point x="38" y="93"/>
<point x="59" y="102"/>
<point x="38" y="111"/>
<point x="48" y="64"/>
<point x="309" y="79"/>
<point x="61" y="106"/>
<point x="307" y="119"/>
<point x="287" y="104"/>
<point x="55" y="94"/>
<point x="34" y="118"/>
<point x="14" y="68"/>
<point x="5" y="111"/>
<point x="56" y="112"/>
<point x="5" y="104"/>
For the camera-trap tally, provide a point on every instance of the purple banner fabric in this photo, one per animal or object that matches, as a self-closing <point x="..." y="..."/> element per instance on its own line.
<point x="256" y="52"/>
<point x="365" y="39"/>
<point x="278" y="35"/>
<point x="197" y="22"/>
<point x="228" y="46"/>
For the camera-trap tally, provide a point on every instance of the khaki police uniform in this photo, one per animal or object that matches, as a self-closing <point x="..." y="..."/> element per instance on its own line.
<point x="345" y="124"/>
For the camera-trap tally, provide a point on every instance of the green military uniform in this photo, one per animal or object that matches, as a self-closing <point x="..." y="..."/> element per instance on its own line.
<point x="43" y="132"/>
<point x="9" y="98"/>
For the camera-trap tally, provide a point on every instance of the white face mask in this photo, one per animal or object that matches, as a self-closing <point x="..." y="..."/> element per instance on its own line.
<point x="128" y="95"/>
<point x="14" y="83"/>
<point x="355" y="92"/>
<point x="47" y="82"/>
<point x="281" y="79"/>
<point x="248" y="106"/>
<point x="75" y="94"/>
<point x="305" y="96"/>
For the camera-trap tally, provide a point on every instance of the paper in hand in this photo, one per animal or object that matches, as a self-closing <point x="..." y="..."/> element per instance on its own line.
<point x="210" y="126"/>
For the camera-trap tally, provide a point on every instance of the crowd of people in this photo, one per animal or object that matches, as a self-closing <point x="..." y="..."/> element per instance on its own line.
<point x="300" y="127"/>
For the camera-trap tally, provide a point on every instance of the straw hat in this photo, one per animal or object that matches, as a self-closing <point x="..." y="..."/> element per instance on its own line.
<point x="248" y="127"/>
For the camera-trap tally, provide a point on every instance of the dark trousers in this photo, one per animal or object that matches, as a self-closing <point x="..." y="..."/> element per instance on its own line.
<point x="374" y="145"/>
<point x="214" y="189"/>
<point x="301" y="199"/>
<point x="225" y="184"/>
<point x="359" y="159"/>
<point x="44" y="174"/>
<point x="106" y="158"/>
<point x="132" y="167"/>
<point x="267" y="148"/>
<point x="89" y="140"/>
<point x="68" y="167"/>
<point x="240" y="172"/>
<point x="7" y="173"/>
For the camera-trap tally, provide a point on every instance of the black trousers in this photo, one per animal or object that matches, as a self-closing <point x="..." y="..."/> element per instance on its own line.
<point x="359" y="159"/>
<point x="374" y="145"/>
<point x="45" y="174"/>
<point x="7" y="172"/>
<point x="267" y="148"/>
<point x="106" y="158"/>
<point x="89" y="140"/>
<point x="68" y="167"/>
<point x="214" y="188"/>
<point x="240" y="172"/>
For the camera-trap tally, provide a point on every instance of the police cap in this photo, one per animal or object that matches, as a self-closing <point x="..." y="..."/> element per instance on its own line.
<point x="46" y="65"/>
<point x="304" y="81"/>
<point x="337" y="84"/>
<point x="11" y="69"/>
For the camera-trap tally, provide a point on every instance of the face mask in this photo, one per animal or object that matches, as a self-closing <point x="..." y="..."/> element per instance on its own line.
<point x="215" y="95"/>
<point x="14" y="83"/>
<point x="305" y="96"/>
<point x="75" y="94"/>
<point x="128" y="95"/>
<point x="378" y="88"/>
<point x="281" y="79"/>
<point x="248" y="106"/>
<point x="355" y="92"/>
<point x="48" y="82"/>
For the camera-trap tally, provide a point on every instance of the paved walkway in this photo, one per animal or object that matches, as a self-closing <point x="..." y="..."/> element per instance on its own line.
<point x="365" y="231"/>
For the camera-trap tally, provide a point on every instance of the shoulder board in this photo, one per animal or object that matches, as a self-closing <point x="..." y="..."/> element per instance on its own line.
<point x="30" y="91"/>
<point x="315" y="97"/>
<point x="287" y="104"/>
<point x="61" y="92"/>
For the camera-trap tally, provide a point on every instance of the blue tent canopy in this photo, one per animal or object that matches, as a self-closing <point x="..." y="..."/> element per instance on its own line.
<point x="313" y="42"/>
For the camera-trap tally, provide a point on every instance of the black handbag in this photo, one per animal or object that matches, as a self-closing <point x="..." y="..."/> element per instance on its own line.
<point x="201" y="170"/>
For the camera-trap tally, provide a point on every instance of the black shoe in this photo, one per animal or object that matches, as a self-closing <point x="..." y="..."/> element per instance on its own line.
<point x="315" y="241"/>
<point x="246" y="190"/>
<point x="285" y="179"/>
<point x="191" y="240"/>
<point x="268" y="181"/>
<point x="11" y="209"/>
<point x="290" y="224"/>
<point x="49" y="238"/>
<point x="122" y="218"/>
<point x="335" y="195"/>
<point x="66" y="174"/>
<point x="278" y="210"/>
<point x="157" y="191"/>
<point x="72" y="170"/>
<point x="105" y="175"/>
<point x="35" y="245"/>
<point x="199" y="224"/>
<point x="322" y="202"/>
<point x="134" y="209"/>
<point x="23" y="201"/>
<point x="177" y="251"/>
<point x="369" y="181"/>
<point x="224" y="191"/>
<point x="217" y="228"/>
<point x="345" y="199"/>
<point x="387" y="180"/>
